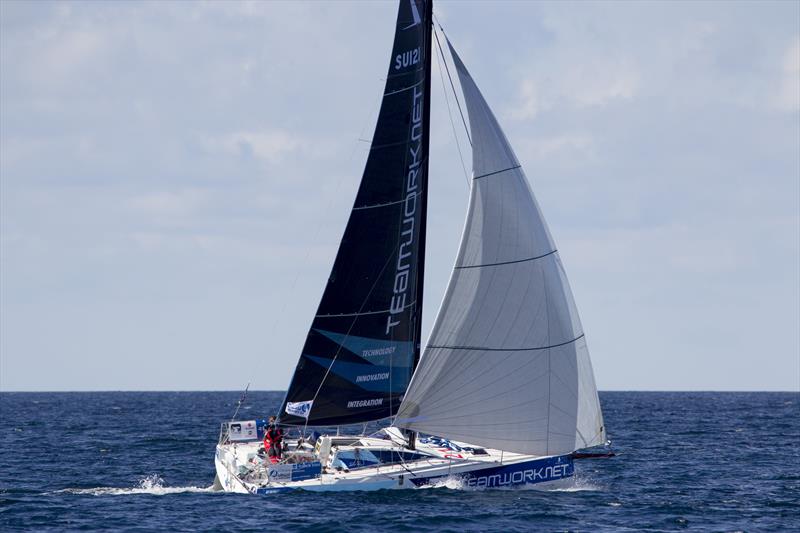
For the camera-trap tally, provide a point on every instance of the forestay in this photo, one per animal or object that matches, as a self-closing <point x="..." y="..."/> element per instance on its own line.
<point x="507" y="365"/>
<point x="364" y="341"/>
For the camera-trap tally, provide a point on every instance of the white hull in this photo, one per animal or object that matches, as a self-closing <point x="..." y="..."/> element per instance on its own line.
<point x="241" y="469"/>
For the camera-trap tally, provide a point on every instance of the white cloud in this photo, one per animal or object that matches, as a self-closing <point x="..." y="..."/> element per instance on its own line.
<point x="569" y="145"/>
<point x="60" y="51"/>
<point x="590" y="81"/>
<point x="17" y="150"/>
<point x="268" y="145"/>
<point x="186" y="152"/>
<point x="530" y="103"/>
<point x="149" y="240"/>
<point x="597" y="83"/>
<point x="789" y="91"/>
<point x="70" y="50"/>
<point x="170" y="203"/>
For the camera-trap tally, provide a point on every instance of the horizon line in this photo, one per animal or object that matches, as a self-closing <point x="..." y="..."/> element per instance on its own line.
<point x="239" y="391"/>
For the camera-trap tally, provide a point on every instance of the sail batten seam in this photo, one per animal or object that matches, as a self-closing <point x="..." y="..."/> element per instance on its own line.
<point x="406" y="73"/>
<point x="496" y="172"/>
<point x="385" y="204"/>
<point x="372" y="206"/>
<point x="388" y="145"/>
<point x="507" y="262"/>
<point x="420" y="82"/>
<point x="485" y="349"/>
<point x="363" y="313"/>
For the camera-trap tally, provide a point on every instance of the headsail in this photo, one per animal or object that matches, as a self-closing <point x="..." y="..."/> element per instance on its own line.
<point x="507" y="365"/>
<point x="364" y="341"/>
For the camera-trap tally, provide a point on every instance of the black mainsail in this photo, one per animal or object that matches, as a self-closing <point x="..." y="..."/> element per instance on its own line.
<point x="364" y="341"/>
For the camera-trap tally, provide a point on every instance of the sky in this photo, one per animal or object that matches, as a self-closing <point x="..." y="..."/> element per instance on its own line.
<point x="175" y="178"/>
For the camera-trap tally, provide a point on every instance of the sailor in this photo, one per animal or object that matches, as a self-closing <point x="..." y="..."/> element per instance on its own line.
<point x="273" y="439"/>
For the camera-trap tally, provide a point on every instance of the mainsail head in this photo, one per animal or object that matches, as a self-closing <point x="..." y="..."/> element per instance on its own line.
<point x="506" y="365"/>
<point x="364" y="341"/>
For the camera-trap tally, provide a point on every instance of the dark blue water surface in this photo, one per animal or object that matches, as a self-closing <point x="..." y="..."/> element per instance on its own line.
<point x="144" y="461"/>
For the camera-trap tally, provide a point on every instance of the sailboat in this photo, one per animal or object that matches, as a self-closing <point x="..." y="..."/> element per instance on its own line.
<point x="503" y="393"/>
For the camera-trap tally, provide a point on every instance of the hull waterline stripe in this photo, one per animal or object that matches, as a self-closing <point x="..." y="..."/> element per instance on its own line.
<point x="481" y="348"/>
<point x="507" y="262"/>
<point x="495" y="172"/>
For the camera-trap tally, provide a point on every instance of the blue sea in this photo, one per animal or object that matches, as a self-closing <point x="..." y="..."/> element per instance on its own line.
<point x="143" y="461"/>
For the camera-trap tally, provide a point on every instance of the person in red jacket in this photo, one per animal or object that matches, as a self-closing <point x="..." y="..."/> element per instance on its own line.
<point x="273" y="439"/>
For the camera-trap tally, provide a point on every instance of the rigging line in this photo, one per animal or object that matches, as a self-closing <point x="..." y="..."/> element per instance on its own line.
<point x="341" y="346"/>
<point x="452" y="124"/>
<point x="352" y="325"/>
<point x="549" y="362"/>
<point x="389" y="259"/>
<point x="240" y="402"/>
<point x="439" y="45"/>
<point x="403" y="463"/>
<point x="319" y="228"/>
<point x="349" y="330"/>
<point x="375" y="107"/>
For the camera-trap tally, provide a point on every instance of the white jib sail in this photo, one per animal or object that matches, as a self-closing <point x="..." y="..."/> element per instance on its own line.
<point x="506" y="366"/>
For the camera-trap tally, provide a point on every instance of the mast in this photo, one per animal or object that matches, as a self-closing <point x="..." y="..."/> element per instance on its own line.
<point x="411" y="434"/>
<point x="423" y="226"/>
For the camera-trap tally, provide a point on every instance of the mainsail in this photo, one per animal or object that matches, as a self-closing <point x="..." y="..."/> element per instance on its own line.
<point x="364" y="341"/>
<point x="506" y="366"/>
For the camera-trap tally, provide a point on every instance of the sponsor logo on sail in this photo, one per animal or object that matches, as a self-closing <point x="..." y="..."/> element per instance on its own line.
<point x="407" y="230"/>
<point x="374" y="352"/>
<point x="301" y="409"/>
<point x="354" y="404"/>
<point x="415" y="14"/>
<point x="407" y="59"/>
<point x="380" y="376"/>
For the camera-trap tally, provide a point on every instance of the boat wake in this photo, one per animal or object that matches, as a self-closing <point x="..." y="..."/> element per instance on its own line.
<point x="579" y="484"/>
<point x="152" y="485"/>
<point x="575" y="488"/>
<point x="450" y="482"/>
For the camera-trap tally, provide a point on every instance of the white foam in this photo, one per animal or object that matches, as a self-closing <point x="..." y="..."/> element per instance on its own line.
<point x="578" y="483"/>
<point x="152" y="484"/>
<point x="451" y="482"/>
<point x="576" y="488"/>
